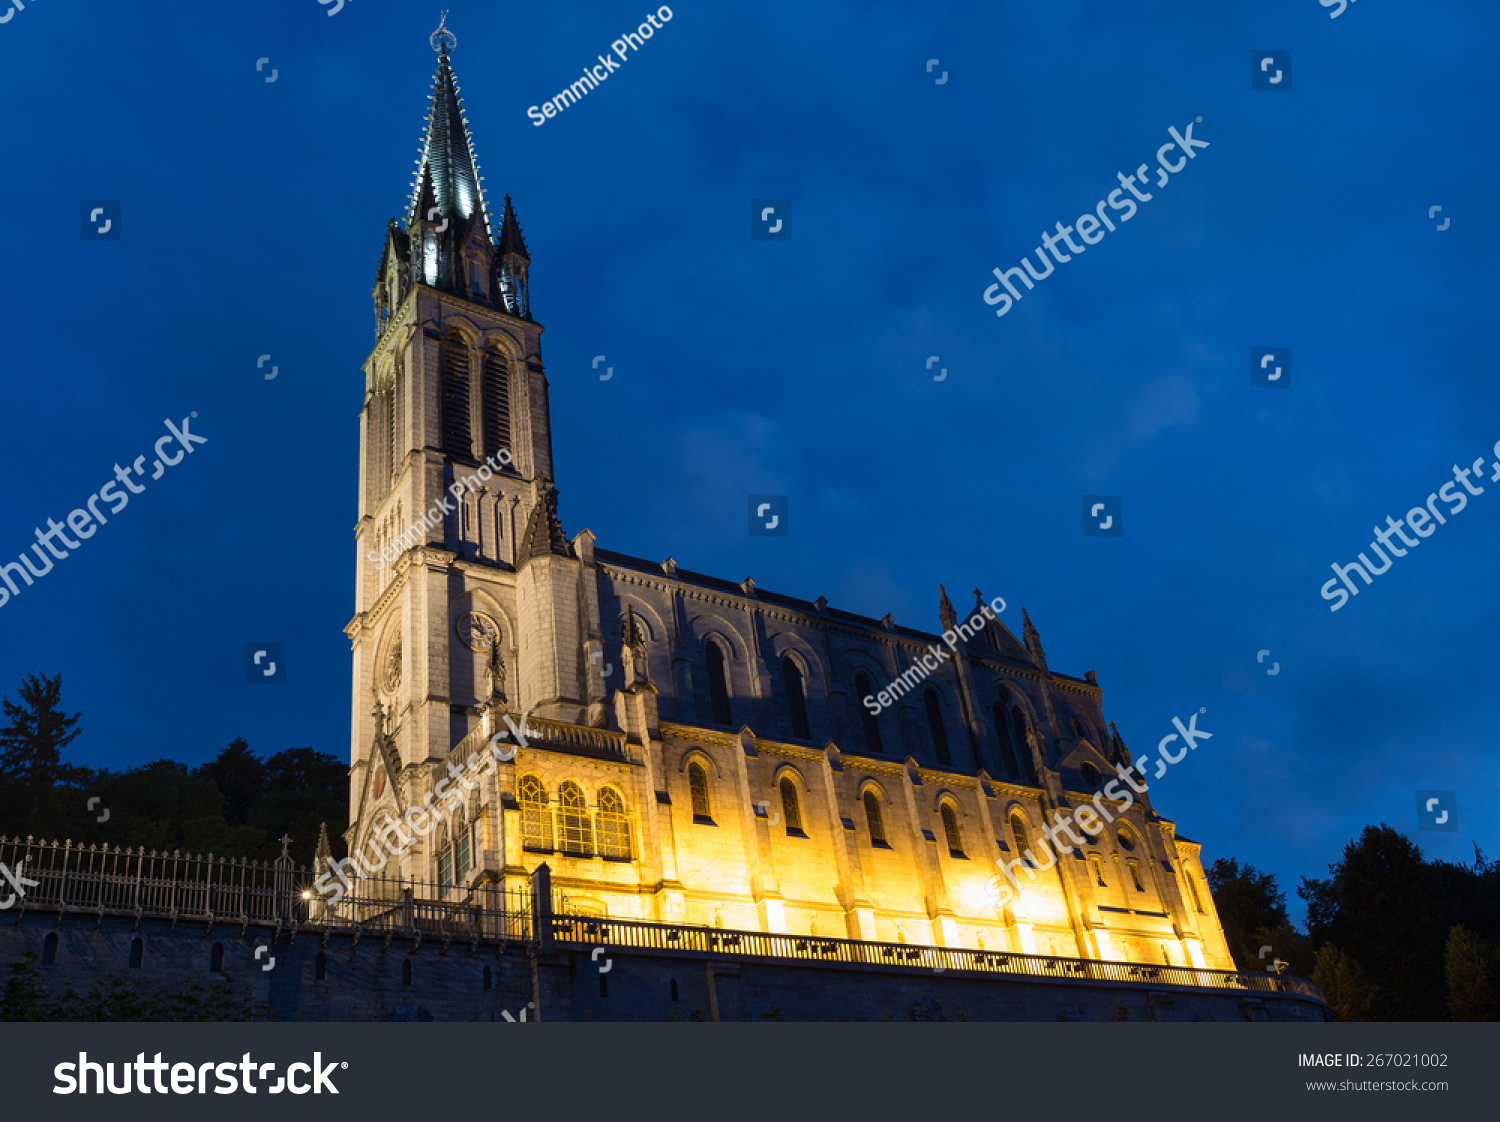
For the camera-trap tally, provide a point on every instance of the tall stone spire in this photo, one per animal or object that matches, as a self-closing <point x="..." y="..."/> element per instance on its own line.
<point x="1033" y="640"/>
<point x="448" y="171"/>
<point x="514" y="265"/>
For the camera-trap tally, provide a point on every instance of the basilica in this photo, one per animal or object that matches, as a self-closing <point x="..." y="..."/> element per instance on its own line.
<point x="698" y="750"/>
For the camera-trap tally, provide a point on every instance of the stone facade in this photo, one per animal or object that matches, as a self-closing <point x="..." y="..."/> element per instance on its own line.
<point x="703" y="750"/>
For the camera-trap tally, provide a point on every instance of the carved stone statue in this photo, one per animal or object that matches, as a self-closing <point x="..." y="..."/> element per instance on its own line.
<point x="495" y="672"/>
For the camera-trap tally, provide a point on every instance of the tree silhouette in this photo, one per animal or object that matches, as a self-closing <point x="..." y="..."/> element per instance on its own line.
<point x="34" y="782"/>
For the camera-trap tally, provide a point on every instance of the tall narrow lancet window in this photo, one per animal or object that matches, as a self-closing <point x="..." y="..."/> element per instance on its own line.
<point x="457" y="440"/>
<point x="718" y="684"/>
<point x="536" y="819"/>
<point x="698" y="788"/>
<point x="614" y="826"/>
<point x="1020" y="838"/>
<point x="875" y="820"/>
<point x="394" y="437"/>
<point x="935" y="726"/>
<point x="791" y="810"/>
<point x="950" y="830"/>
<point x="496" y="398"/>
<point x="575" y="834"/>
<point x="1007" y="743"/>
<point x="871" y="726"/>
<point x="796" y="700"/>
<point x="1019" y="729"/>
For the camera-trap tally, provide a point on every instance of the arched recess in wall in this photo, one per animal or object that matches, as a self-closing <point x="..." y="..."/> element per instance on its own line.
<point x="932" y="706"/>
<point x="454" y="400"/>
<point x="716" y="663"/>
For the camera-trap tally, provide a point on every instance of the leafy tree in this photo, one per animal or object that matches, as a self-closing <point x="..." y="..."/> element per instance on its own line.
<point x="37" y="787"/>
<point x="240" y="776"/>
<point x="1248" y="902"/>
<point x="1381" y="905"/>
<point x="1470" y="967"/>
<point x="1351" y="993"/>
<point x="303" y="788"/>
<point x="164" y="806"/>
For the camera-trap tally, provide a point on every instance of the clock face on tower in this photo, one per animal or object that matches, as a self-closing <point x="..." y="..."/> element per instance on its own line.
<point x="477" y="631"/>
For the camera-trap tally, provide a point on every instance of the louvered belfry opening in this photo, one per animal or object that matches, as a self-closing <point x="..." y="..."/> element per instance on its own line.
<point x="496" y="400"/>
<point x="456" y="431"/>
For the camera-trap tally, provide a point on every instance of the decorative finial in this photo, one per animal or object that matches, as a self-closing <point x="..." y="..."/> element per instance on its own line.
<point x="442" y="39"/>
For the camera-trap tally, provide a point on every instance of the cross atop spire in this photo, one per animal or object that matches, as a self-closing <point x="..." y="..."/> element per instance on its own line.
<point x="442" y="39"/>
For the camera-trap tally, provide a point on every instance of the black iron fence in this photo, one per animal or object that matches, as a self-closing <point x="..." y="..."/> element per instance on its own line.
<point x="111" y="881"/>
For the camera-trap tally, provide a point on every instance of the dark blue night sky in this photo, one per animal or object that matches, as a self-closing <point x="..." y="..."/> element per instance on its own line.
<point x="250" y="222"/>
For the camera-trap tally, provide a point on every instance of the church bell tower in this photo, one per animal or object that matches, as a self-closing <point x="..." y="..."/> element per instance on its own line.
<point x="469" y="598"/>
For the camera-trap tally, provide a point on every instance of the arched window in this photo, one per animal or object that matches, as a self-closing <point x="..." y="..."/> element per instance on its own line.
<point x="935" y="726"/>
<point x="463" y="849"/>
<point x="1193" y="890"/>
<point x="137" y="953"/>
<point x="698" y="786"/>
<point x="862" y="690"/>
<point x="876" y="821"/>
<point x="49" y="949"/>
<point x="1135" y="875"/>
<point x="455" y="373"/>
<point x="536" y="820"/>
<point x="445" y="859"/>
<point x="718" y="684"/>
<point x="489" y="978"/>
<point x="1020" y="838"/>
<point x="1019" y="728"/>
<point x="406" y="971"/>
<point x="791" y="813"/>
<point x="950" y="830"/>
<point x="496" y="402"/>
<point x="216" y="958"/>
<point x="574" y="832"/>
<point x="320" y="968"/>
<point x="614" y="826"/>
<point x="1098" y="867"/>
<point x="796" y="701"/>
<point x="1007" y="744"/>
<point x="1090" y="776"/>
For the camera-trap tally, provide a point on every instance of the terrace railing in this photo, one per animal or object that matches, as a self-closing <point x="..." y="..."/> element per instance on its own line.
<point x="594" y="931"/>
<point x="105" y="880"/>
